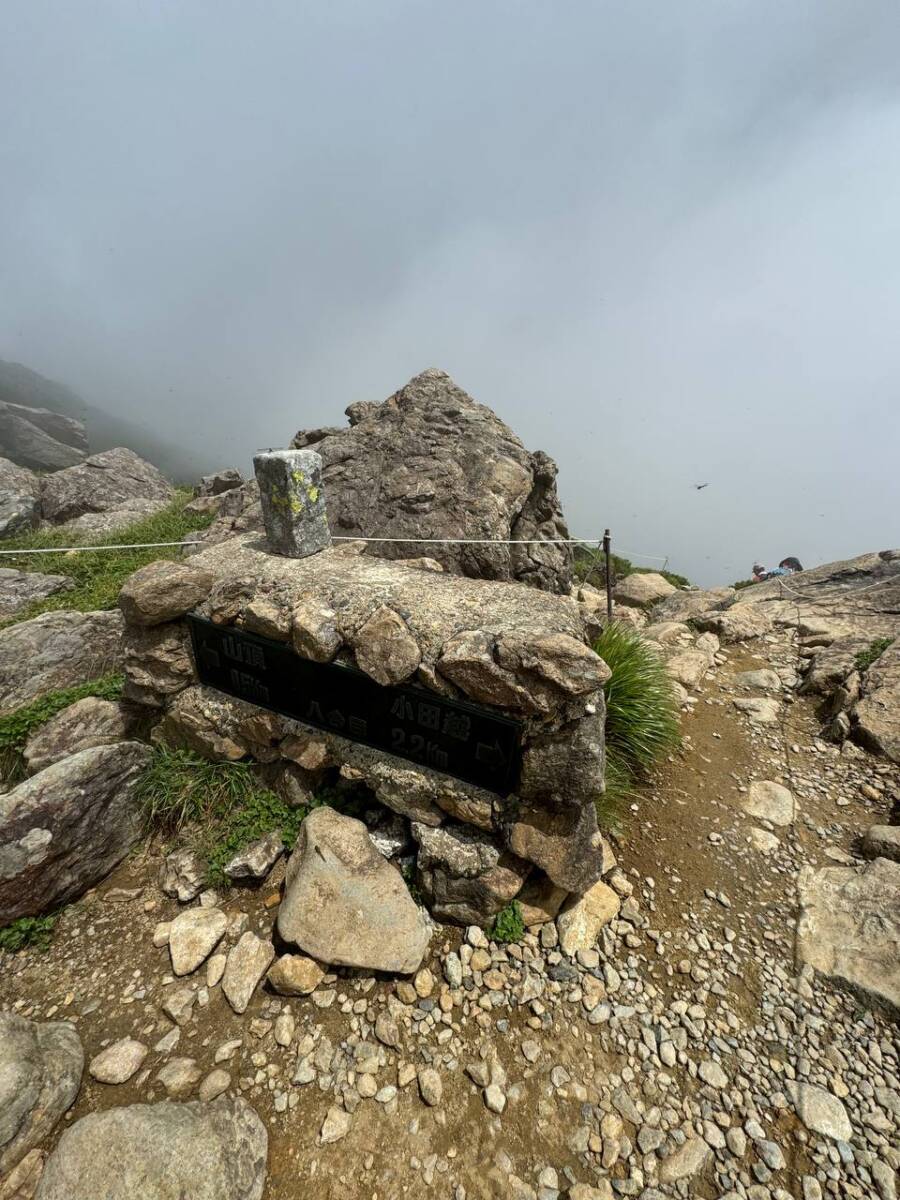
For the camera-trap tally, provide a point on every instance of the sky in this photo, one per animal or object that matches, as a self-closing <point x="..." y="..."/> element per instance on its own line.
<point x="661" y="241"/>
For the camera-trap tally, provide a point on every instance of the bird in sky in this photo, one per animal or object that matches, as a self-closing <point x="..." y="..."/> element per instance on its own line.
<point x="700" y="486"/>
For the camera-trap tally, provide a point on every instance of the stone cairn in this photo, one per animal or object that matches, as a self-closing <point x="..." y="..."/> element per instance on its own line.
<point x="512" y="649"/>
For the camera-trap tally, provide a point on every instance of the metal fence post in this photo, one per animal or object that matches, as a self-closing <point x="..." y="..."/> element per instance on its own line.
<point x="606" y="554"/>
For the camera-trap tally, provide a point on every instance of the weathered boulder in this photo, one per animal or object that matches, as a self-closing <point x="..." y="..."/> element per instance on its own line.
<point x="219" y="727"/>
<point x="688" y="667"/>
<point x="345" y="904"/>
<point x="40" y="1073"/>
<point x="882" y="841"/>
<point x="19" y="490"/>
<point x="64" y="829"/>
<point x="220" y="481"/>
<point x="88" y="722"/>
<point x="385" y="649"/>
<point x="642" y="590"/>
<point x="161" y="1151"/>
<point x="431" y="462"/>
<point x="849" y="928"/>
<point x="762" y="710"/>
<point x="820" y="1111"/>
<point x="739" y="623"/>
<point x="763" y="681"/>
<point x="24" y="441"/>
<point x="465" y="874"/>
<point x="564" y="841"/>
<point x="162" y="591"/>
<point x="18" y="589"/>
<point x="114" y="481"/>
<point x="56" y="650"/>
<point x="685" y="605"/>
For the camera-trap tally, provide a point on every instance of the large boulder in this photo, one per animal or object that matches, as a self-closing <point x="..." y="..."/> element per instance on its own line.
<point x="345" y="904"/>
<point x="19" y="490"/>
<point x="162" y="591"/>
<point x="56" y="650"/>
<point x="431" y="462"/>
<point x="24" y="441"/>
<point x="40" y="1073"/>
<point x="88" y="722"/>
<point x="849" y="928"/>
<point x="642" y="589"/>
<point x="19" y="589"/>
<point x="64" y="829"/>
<point x="114" y="481"/>
<point x="465" y="874"/>
<point x="164" y="1151"/>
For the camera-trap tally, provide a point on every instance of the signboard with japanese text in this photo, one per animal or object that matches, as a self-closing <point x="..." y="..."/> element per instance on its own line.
<point x="452" y="736"/>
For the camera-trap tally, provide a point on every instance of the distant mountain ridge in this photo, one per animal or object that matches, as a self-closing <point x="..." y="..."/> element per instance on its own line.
<point x="22" y="388"/>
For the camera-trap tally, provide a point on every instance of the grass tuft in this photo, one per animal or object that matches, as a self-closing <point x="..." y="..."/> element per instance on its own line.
<point x="642" y="716"/>
<point x="872" y="653"/>
<point x="99" y="575"/>
<point x="17" y="726"/>
<point x="34" y="932"/>
<point x="509" y="925"/>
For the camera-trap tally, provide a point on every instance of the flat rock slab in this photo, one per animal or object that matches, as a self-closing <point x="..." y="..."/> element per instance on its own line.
<point x="118" y="1062"/>
<point x="193" y="936"/>
<point x="18" y="589"/>
<point x="40" y="1073"/>
<point x="56" y="650"/>
<point x="642" y="589"/>
<point x="849" y="928"/>
<point x="64" y="829"/>
<point x="768" y="801"/>
<point x="161" y="1151"/>
<point x="762" y="681"/>
<point x="762" y="710"/>
<point x="345" y="904"/>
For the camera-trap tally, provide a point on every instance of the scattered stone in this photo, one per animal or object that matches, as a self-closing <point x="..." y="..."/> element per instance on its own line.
<point x="118" y="1062"/>
<point x="193" y="936"/>
<point x="247" y="963"/>
<point x="215" y="1083"/>
<point x="583" y="917"/>
<point x="256" y="860"/>
<point x="182" y="875"/>
<point x="820" y="1111"/>
<point x="772" y="802"/>
<point x="335" y="1126"/>
<point x="179" y="1075"/>
<point x="295" y="975"/>
<point x="431" y="1088"/>
<point x="882" y="841"/>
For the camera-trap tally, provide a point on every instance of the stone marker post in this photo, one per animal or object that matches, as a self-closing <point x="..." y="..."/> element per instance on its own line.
<point x="293" y="501"/>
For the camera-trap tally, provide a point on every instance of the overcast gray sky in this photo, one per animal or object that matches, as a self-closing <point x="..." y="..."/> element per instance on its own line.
<point x="661" y="240"/>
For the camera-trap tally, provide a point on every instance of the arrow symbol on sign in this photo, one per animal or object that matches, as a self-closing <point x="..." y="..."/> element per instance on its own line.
<point x="493" y="756"/>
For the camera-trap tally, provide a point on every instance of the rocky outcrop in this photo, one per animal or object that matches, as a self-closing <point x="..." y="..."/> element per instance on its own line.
<point x="849" y="928"/>
<point x="161" y="1151"/>
<point x="19" y="589"/>
<point x="24" y="438"/>
<point x="56" y="650"/>
<point x="64" y="829"/>
<point x="875" y="718"/>
<point x="40" y="1073"/>
<point x="432" y="462"/>
<point x="19" y="491"/>
<point x="86" y="723"/>
<point x="114" y="482"/>
<point x="345" y="904"/>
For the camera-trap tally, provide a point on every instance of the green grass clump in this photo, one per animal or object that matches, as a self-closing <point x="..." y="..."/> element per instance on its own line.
<point x="865" y="658"/>
<point x="36" y="932"/>
<point x="224" y="800"/>
<point x="642" y="720"/>
<point x="509" y="925"/>
<point x="740" y="584"/>
<point x="16" y="727"/>
<point x="99" y="574"/>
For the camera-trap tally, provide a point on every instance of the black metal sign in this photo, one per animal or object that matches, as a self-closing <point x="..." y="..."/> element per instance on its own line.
<point x="452" y="736"/>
